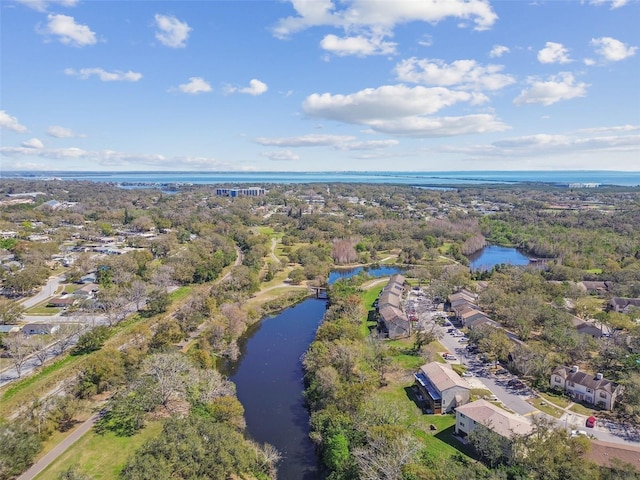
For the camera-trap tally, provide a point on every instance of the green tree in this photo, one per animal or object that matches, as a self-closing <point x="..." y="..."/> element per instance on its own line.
<point x="10" y="311"/>
<point x="92" y="340"/>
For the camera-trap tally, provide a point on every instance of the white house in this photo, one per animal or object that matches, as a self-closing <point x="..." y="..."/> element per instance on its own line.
<point x="593" y="389"/>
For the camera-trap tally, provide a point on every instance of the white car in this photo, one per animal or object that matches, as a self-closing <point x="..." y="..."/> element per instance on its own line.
<point x="578" y="433"/>
<point x="467" y="374"/>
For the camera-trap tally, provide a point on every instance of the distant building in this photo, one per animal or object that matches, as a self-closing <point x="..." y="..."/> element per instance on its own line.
<point x="624" y="305"/>
<point x="593" y="389"/>
<point x="238" y="192"/>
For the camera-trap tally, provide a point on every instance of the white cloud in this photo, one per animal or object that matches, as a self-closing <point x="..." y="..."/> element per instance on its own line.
<point x="72" y="158"/>
<point x="194" y="86"/>
<point x="359" y="46"/>
<point x="543" y="144"/>
<point x="613" y="129"/>
<point x="388" y="101"/>
<point x="614" y="3"/>
<point x="171" y="31"/>
<point x="401" y="110"/>
<point x="33" y="143"/>
<point x="613" y="50"/>
<point x="362" y="14"/>
<point x="466" y="74"/>
<point x="498" y="51"/>
<point x="62" y="132"/>
<point x="557" y="88"/>
<point x="282" y="156"/>
<point x="115" y="76"/>
<point x="369" y="145"/>
<point x="42" y="5"/>
<point x="11" y="123"/>
<point x="439" y="126"/>
<point x="311" y="140"/>
<point x="338" y="142"/>
<point x="554" y="53"/>
<point x="68" y="31"/>
<point x="255" y="88"/>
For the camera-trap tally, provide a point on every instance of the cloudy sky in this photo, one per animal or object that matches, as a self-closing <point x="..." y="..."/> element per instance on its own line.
<point x="318" y="85"/>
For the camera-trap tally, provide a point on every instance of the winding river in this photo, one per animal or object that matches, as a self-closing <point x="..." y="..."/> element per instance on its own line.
<point x="269" y="381"/>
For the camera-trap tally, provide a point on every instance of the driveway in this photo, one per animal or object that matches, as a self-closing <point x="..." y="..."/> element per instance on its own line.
<point x="512" y="399"/>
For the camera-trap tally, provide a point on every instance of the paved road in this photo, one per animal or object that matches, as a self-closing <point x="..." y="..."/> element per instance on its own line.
<point x="45" y="292"/>
<point x="59" y="449"/>
<point x="516" y="401"/>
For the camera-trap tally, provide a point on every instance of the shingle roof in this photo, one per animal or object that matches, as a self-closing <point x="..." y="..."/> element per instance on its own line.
<point x="443" y="377"/>
<point x="585" y="379"/>
<point x="495" y="418"/>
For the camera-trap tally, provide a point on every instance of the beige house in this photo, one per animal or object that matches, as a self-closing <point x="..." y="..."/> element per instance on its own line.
<point x="486" y="415"/>
<point x="584" y="387"/>
<point x="441" y="387"/>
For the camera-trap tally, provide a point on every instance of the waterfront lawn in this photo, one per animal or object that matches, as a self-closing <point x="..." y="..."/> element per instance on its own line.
<point x="440" y="443"/>
<point x="100" y="456"/>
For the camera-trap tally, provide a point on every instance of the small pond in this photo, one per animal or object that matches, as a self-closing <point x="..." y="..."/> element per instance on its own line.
<point x="380" y="271"/>
<point x="493" y="255"/>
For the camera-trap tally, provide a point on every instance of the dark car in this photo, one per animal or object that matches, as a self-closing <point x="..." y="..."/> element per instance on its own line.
<point x="591" y="422"/>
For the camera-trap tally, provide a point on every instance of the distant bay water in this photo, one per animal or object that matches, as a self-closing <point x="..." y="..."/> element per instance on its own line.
<point x="564" y="178"/>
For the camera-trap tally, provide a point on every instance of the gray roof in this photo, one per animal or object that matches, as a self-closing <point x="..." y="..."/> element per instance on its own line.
<point x="585" y="379"/>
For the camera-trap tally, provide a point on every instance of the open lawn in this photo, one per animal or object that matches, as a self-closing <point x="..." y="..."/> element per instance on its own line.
<point x="543" y="406"/>
<point x="558" y="399"/>
<point x="439" y="441"/>
<point x="583" y="409"/>
<point x="100" y="456"/>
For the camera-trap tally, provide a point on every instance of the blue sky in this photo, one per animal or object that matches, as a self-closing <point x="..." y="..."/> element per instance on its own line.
<point x="319" y="85"/>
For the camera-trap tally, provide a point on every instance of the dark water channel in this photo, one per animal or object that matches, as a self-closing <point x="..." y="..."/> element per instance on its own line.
<point x="493" y="255"/>
<point x="269" y="381"/>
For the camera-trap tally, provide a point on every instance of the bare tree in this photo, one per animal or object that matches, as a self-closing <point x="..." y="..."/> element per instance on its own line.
<point x="10" y="311"/>
<point x="137" y="293"/>
<point x="388" y="449"/>
<point x="19" y="348"/>
<point x="170" y="371"/>
<point x="40" y="349"/>
<point x="65" y="337"/>
<point x="342" y="251"/>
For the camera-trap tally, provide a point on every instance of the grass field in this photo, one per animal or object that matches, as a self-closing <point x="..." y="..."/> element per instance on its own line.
<point x="543" y="406"/>
<point x="100" y="456"/>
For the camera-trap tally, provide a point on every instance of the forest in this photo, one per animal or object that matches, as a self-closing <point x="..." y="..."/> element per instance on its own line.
<point x="178" y="277"/>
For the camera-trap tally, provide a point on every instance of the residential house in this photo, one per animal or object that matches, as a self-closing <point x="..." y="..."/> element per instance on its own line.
<point x="582" y="386"/>
<point x="40" y="329"/>
<point x="597" y="288"/>
<point x="86" y="291"/>
<point x="441" y="387"/>
<point x="486" y="415"/>
<point x="587" y="328"/>
<point x="471" y="315"/>
<point x="62" y="302"/>
<point x="393" y="322"/>
<point x="463" y="294"/>
<point x="624" y="305"/>
<point x="603" y="453"/>
<point x="10" y="328"/>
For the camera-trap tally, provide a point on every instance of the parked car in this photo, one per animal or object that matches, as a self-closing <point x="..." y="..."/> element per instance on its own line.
<point x="578" y="433"/>
<point x="591" y="422"/>
<point x="467" y="374"/>
<point x="450" y="357"/>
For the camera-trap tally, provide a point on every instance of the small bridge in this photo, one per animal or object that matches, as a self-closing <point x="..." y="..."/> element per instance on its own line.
<point x="320" y="292"/>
